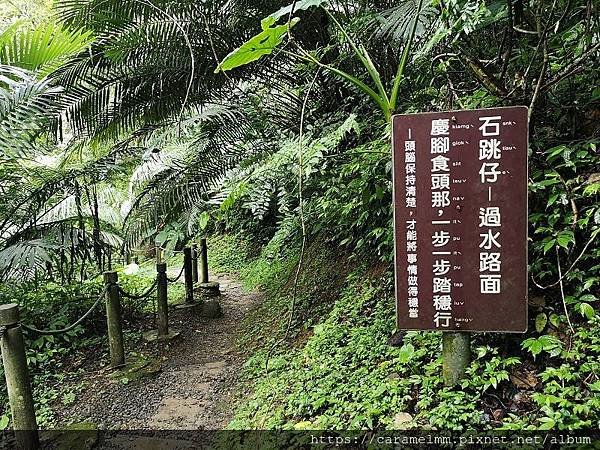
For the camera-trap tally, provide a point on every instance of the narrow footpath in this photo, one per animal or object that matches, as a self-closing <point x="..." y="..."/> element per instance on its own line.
<point x="193" y="390"/>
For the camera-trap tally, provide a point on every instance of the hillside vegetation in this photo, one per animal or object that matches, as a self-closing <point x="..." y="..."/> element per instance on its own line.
<point x="132" y="128"/>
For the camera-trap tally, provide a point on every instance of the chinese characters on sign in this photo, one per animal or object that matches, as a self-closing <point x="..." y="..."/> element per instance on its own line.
<point x="460" y="218"/>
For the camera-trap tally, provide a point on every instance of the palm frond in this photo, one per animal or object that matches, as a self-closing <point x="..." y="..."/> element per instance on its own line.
<point x="43" y="49"/>
<point x="393" y="24"/>
<point x="22" y="259"/>
<point x="26" y="106"/>
<point x="130" y="79"/>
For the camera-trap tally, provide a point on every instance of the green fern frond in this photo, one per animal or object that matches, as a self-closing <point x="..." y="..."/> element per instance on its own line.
<point x="43" y="49"/>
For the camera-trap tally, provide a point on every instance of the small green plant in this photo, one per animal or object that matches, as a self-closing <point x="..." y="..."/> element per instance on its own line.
<point x="68" y="398"/>
<point x="546" y="343"/>
<point x="4" y="421"/>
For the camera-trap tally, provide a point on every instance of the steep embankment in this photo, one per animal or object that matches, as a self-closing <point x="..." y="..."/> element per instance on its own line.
<point x="337" y="368"/>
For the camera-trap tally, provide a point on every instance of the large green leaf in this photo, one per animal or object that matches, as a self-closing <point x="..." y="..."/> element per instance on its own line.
<point x="406" y="353"/>
<point x="260" y="45"/>
<point x="587" y="310"/>
<point x="540" y="322"/>
<point x="298" y="6"/>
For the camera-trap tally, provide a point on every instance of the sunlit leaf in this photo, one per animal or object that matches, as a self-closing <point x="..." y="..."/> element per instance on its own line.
<point x="540" y="322"/>
<point x="587" y="310"/>
<point x="298" y="6"/>
<point x="260" y="45"/>
<point x="406" y="353"/>
<point x="203" y="220"/>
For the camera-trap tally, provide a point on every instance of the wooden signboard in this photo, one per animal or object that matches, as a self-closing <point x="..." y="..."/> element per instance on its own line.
<point x="460" y="220"/>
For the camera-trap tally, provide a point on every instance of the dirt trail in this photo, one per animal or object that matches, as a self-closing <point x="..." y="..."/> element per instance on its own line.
<point x="193" y="390"/>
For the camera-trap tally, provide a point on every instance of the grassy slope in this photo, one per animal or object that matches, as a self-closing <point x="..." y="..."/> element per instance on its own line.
<point x="336" y="369"/>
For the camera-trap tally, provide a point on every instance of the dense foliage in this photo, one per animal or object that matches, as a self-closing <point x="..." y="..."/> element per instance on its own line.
<point x="131" y="125"/>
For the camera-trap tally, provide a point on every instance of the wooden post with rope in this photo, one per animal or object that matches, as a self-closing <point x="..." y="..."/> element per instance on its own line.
<point x="20" y="394"/>
<point x="203" y="261"/>
<point x="188" y="276"/>
<point x="114" y="320"/>
<point x="210" y="290"/>
<point x="162" y="307"/>
<point x="163" y="332"/>
<point x="194" y="263"/>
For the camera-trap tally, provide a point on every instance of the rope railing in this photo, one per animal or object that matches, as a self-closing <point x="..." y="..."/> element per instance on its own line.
<point x="137" y="305"/>
<point x="176" y="279"/>
<point x="13" y="348"/>
<point x="145" y="295"/>
<point x="70" y="327"/>
<point x="163" y="249"/>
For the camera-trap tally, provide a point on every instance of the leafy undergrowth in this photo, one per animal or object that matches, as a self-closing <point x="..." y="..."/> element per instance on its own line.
<point x="229" y="253"/>
<point x="337" y="370"/>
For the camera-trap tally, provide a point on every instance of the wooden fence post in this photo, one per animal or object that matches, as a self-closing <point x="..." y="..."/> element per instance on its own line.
<point x="162" y="308"/>
<point x="203" y="261"/>
<point x="194" y="263"/>
<point x="209" y="290"/>
<point x="456" y="355"/>
<point x="113" y="320"/>
<point x="20" y="395"/>
<point x="189" y="281"/>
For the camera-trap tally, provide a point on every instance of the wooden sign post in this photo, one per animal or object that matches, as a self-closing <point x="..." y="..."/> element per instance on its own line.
<point x="460" y="221"/>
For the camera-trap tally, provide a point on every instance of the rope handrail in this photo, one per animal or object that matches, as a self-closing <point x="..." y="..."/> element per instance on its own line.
<point x="171" y="250"/>
<point x="99" y="274"/>
<point x="70" y="327"/>
<point x="174" y="280"/>
<point x="141" y="296"/>
<point x="138" y="304"/>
